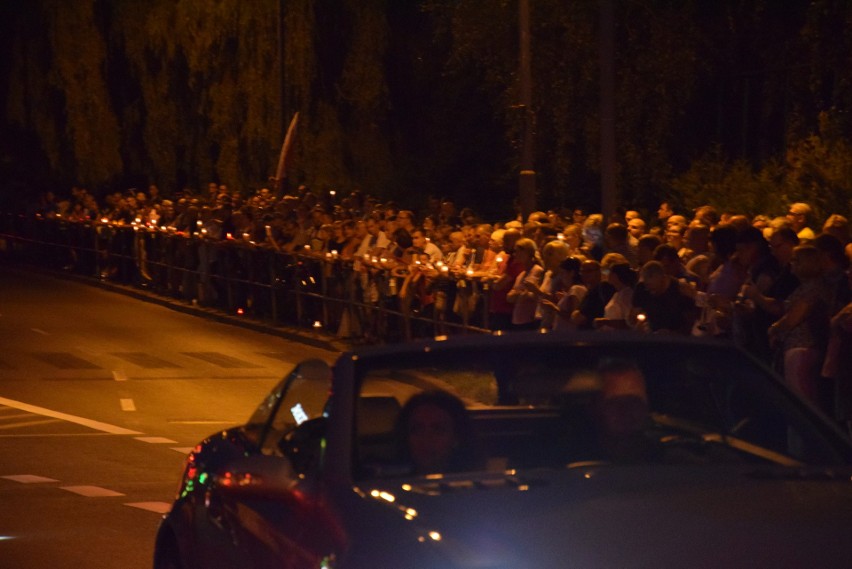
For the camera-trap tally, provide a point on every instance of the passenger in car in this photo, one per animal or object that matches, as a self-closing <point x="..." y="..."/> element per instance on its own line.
<point x="435" y="434"/>
<point x="624" y="415"/>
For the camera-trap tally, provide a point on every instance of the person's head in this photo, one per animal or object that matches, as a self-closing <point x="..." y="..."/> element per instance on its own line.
<point x="751" y="246"/>
<point x="645" y="247"/>
<point x="654" y="277"/>
<point x="677" y="220"/>
<point x="593" y="231"/>
<point x="373" y="227"/>
<point x="435" y="432"/>
<point x="781" y="244"/>
<point x="723" y="240"/>
<point x="405" y="218"/>
<point x="590" y="273"/>
<point x="623" y="399"/>
<point x="806" y="263"/>
<point x="611" y="259"/>
<point x="495" y="241"/>
<point x="622" y="275"/>
<point x="418" y="239"/>
<point x="838" y="226"/>
<point x="553" y="253"/>
<point x="833" y="253"/>
<point x="573" y="235"/>
<point x="708" y="215"/>
<point x="799" y="215"/>
<point x="697" y="236"/>
<point x="482" y="235"/>
<point x="636" y="227"/>
<point x="402" y="238"/>
<point x="457" y="240"/>
<point x="668" y="257"/>
<point x="616" y="235"/>
<point x="510" y="237"/>
<point x="569" y="271"/>
<point x="525" y="251"/>
<point x="665" y="211"/>
<point x="674" y="235"/>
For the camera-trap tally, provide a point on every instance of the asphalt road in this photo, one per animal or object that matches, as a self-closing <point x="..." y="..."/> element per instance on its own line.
<point x="101" y="397"/>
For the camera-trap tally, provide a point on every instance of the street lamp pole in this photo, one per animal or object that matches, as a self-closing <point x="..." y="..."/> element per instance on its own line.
<point x="526" y="179"/>
<point x="607" y="62"/>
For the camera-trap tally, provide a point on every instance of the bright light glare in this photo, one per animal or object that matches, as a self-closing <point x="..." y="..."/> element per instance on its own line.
<point x="435" y="535"/>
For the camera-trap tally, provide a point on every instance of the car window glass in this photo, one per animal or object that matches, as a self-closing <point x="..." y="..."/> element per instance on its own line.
<point x="533" y="407"/>
<point x="301" y="397"/>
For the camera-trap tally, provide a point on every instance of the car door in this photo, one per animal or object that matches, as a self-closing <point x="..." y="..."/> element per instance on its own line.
<point x="258" y="507"/>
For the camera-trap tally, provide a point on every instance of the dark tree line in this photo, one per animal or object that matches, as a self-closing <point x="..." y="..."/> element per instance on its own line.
<point x="731" y="101"/>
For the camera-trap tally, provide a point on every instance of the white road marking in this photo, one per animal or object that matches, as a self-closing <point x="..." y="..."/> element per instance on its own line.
<point x="127" y="405"/>
<point x="40" y="331"/>
<point x="29" y="423"/>
<point x="200" y="422"/>
<point x="157" y="507"/>
<point x="92" y="491"/>
<point x="155" y="440"/>
<point x="119" y="375"/>
<point x="29" y="478"/>
<point x="97" y="425"/>
<point x="183" y="450"/>
<point x="32" y="435"/>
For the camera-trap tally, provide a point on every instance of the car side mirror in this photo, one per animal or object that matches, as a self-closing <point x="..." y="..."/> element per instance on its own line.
<point x="305" y="444"/>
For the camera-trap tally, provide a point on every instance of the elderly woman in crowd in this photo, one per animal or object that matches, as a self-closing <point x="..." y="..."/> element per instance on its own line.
<point x="800" y="334"/>
<point x="524" y="301"/>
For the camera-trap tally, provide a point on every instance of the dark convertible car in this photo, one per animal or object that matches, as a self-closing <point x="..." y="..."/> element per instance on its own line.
<point x="520" y="451"/>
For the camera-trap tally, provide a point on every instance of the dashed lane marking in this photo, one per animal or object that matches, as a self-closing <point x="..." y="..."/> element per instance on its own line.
<point x="156" y="440"/>
<point x="29" y="478"/>
<point x="127" y="405"/>
<point x="92" y="491"/>
<point x="157" y="507"/>
<point x="40" y="331"/>
<point x="183" y="450"/>
<point x="96" y="425"/>
<point x="119" y="375"/>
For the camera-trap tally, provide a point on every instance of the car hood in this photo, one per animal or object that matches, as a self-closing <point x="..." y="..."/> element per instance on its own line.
<point x="615" y="516"/>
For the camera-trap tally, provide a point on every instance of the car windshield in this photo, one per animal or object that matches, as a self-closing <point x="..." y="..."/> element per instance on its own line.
<point x="547" y="406"/>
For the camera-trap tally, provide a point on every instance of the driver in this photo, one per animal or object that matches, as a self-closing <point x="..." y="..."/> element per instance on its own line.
<point x="435" y="433"/>
<point x="623" y="415"/>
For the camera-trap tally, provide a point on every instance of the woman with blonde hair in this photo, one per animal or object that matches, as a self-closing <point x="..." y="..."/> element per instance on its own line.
<point x="523" y="300"/>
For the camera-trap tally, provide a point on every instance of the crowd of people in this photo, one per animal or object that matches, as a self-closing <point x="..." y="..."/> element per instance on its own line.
<point x="778" y="286"/>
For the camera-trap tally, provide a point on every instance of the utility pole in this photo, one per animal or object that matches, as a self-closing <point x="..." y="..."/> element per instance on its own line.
<point x="526" y="178"/>
<point x="282" y="77"/>
<point x="607" y="62"/>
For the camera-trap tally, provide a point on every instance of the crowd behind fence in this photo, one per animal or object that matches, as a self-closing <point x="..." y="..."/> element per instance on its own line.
<point x="252" y="280"/>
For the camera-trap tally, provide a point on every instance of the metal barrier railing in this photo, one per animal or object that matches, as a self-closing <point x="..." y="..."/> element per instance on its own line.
<point x="253" y="280"/>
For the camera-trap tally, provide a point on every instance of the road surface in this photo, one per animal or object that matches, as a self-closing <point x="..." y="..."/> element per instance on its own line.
<point x="101" y="398"/>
